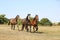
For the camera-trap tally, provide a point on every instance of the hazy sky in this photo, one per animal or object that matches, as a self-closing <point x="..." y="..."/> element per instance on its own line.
<point x="44" y="8"/>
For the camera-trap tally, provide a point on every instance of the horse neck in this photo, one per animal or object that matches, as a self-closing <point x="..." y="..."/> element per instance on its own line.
<point x="27" y="18"/>
<point x="16" y="19"/>
<point x="35" y="20"/>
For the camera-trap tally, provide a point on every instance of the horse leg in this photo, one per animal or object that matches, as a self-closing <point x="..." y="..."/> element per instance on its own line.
<point x="36" y="28"/>
<point x="18" y="26"/>
<point x="22" y="27"/>
<point x="14" y="27"/>
<point x="33" y="28"/>
<point x="27" y="28"/>
<point x="11" y="27"/>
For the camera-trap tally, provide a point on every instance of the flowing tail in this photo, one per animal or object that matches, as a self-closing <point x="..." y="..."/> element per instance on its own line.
<point x="9" y="22"/>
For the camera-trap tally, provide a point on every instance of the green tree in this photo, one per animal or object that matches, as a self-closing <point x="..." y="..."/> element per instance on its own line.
<point x="3" y="19"/>
<point x="58" y="23"/>
<point x="31" y="18"/>
<point x="45" y="22"/>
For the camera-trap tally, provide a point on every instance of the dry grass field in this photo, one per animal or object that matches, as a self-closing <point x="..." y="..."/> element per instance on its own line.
<point x="44" y="33"/>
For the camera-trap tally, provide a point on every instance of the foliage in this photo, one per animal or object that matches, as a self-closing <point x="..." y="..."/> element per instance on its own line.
<point x="31" y="18"/>
<point x="45" y="22"/>
<point x="20" y="22"/>
<point x="3" y="19"/>
<point x="58" y="23"/>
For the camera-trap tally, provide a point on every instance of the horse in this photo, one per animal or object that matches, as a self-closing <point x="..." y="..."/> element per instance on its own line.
<point x="13" y="22"/>
<point x="23" y="21"/>
<point x="33" y="23"/>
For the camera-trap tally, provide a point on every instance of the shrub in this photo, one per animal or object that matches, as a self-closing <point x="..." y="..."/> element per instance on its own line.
<point x="45" y="22"/>
<point x="58" y="23"/>
<point x="3" y="19"/>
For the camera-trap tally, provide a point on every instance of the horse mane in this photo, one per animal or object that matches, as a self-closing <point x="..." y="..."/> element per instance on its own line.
<point x="34" y="19"/>
<point x="16" y="17"/>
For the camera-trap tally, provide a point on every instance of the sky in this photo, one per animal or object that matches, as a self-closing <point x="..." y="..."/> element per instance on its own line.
<point x="43" y="8"/>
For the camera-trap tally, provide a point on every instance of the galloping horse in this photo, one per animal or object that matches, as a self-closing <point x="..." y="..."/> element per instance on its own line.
<point x="13" y="22"/>
<point x="33" y="23"/>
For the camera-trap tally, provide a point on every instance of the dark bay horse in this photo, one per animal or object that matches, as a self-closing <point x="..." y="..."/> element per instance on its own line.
<point x="13" y="22"/>
<point x="33" y="23"/>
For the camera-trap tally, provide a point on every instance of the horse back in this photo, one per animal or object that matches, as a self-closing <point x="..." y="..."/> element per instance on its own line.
<point x="23" y="21"/>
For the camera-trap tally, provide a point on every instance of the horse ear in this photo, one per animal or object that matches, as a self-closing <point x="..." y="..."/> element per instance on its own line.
<point x="36" y="15"/>
<point x="17" y="16"/>
<point x="29" y="14"/>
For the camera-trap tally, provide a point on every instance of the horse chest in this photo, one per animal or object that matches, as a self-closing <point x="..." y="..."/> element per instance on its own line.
<point x="33" y="22"/>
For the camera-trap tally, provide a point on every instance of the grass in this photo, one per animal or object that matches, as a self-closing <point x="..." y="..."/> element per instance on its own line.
<point x="44" y="33"/>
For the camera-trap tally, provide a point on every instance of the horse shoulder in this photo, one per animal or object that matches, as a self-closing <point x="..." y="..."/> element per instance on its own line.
<point x="12" y="20"/>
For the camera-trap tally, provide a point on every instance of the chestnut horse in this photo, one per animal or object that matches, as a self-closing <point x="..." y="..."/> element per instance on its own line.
<point x="13" y="22"/>
<point x="33" y="23"/>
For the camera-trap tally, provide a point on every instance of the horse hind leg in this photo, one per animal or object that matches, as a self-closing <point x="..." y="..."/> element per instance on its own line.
<point x="37" y="29"/>
<point x="18" y="27"/>
<point x="22" y="27"/>
<point x="11" y="27"/>
<point x="30" y="28"/>
<point x="27" y="28"/>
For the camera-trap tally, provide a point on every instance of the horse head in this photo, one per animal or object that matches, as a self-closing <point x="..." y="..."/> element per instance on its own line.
<point x="36" y="17"/>
<point x="17" y="17"/>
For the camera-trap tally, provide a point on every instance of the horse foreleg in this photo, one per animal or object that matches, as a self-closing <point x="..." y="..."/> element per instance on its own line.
<point x="34" y="29"/>
<point x="14" y="27"/>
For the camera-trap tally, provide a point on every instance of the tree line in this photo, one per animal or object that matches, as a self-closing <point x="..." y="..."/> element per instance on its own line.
<point x="42" y="22"/>
<point x="3" y="19"/>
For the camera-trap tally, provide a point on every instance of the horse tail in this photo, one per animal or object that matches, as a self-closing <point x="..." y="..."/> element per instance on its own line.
<point x="9" y="22"/>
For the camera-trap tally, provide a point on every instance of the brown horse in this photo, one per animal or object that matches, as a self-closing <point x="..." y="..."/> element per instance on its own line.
<point x="13" y="22"/>
<point x="33" y="23"/>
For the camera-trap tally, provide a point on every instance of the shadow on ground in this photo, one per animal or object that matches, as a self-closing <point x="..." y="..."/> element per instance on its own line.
<point x="38" y="32"/>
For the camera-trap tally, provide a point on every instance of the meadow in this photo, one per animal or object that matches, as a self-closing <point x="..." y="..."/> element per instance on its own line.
<point x="44" y="33"/>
